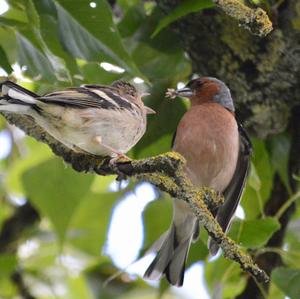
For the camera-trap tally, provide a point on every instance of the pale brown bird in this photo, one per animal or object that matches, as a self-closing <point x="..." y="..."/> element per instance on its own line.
<point x="95" y="119"/>
<point x="217" y="151"/>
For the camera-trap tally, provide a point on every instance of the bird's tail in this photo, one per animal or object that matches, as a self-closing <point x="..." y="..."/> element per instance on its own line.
<point x="173" y="247"/>
<point x="16" y="99"/>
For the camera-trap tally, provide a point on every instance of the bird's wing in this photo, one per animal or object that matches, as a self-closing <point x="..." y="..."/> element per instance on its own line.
<point x="173" y="139"/>
<point x="234" y="190"/>
<point x="88" y="96"/>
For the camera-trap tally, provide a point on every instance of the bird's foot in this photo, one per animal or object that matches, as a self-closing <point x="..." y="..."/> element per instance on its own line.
<point x="120" y="158"/>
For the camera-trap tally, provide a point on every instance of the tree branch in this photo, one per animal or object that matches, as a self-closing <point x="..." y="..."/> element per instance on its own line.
<point x="12" y="231"/>
<point x="165" y="171"/>
<point x="13" y="228"/>
<point x="255" y="20"/>
<point x="18" y="280"/>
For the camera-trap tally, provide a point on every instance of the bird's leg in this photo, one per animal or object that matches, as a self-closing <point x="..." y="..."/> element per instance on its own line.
<point x="113" y="161"/>
<point x="118" y="154"/>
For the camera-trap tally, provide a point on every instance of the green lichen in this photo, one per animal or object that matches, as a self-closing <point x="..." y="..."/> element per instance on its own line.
<point x="239" y="43"/>
<point x="296" y="19"/>
<point x="255" y="20"/>
<point x="269" y="60"/>
<point x="270" y="116"/>
<point x="162" y="181"/>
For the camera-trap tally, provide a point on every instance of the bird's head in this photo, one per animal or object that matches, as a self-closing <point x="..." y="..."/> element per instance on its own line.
<point x="129" y="92"/>
<point x="125" y="89"/>
<point x="205" y="90"/>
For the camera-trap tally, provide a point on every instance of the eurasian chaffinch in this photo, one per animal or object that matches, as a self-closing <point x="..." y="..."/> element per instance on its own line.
<point x="217" y="151"/>
<point x="95" y="119"/>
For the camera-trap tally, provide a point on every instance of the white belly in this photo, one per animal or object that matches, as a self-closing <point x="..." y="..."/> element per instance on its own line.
<point x="82" y="129"/>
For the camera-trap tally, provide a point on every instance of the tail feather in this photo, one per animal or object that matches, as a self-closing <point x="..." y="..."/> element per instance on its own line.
<point x="7" y="86"/>
<point x="170" y="259"/>
<point x="163" y="257"/>
<point x="15" y="98"/>
<point x="176" y="268"/>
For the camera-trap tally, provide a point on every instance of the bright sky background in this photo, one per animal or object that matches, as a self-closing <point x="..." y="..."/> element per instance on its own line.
<point x="126" y="218"/>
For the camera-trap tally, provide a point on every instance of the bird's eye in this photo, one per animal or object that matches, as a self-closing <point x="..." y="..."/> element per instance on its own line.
<point x="195" y="84"/>
<point x="199" y="83"/>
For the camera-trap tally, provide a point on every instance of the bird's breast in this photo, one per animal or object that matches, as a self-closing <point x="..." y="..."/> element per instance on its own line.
<point x="208" y="138"/>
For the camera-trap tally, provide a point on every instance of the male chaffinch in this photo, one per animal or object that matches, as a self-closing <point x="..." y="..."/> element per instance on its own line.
<point x="217" y="152"/>
<point x="95" y="119"/>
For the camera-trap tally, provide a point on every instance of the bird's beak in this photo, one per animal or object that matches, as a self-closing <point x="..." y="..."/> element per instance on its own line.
<point x="149" y="110"/>
<point x="145" y="94"/>
<point x="184" y="92"/>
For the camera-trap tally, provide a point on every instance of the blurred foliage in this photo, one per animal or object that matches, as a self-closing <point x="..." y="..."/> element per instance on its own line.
<point x="50" y="44"/>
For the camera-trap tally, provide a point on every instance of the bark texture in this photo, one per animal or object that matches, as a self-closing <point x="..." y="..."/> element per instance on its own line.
<point x="262" y="72"/>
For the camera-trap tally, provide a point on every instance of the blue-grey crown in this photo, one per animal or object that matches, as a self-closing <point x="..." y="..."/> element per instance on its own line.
<point x="223" y="97"/>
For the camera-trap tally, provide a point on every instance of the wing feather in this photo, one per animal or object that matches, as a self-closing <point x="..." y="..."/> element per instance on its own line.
<point x="87" y="97"/>
<point x="235" y="189"/>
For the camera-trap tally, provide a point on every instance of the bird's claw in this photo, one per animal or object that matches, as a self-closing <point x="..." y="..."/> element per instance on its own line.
<point x="171" y="93"/>
<point x="120" y="158"/>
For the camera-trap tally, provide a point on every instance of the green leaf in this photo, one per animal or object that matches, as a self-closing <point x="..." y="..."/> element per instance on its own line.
<point x="254" y="233"/>
<point x="274" y="292"/>
<point x="254" y="180"/>
<point x="32" y="15"/>
<point x="94" y="74"/>
<point x="4" y="63"/>
<point x="7" y="288"/>
<point x="198" y="252"/>
<point x="224" y="278"/>
<point x="43" y="40"/>
<point x="159" y="146"/>
<point x="162" y="125"/>
<point x="8" y="264"/>
<point x="8" y="43"/>
<point x="184" y="8"/>
<point x="17" y="13"/>
<point x="89" y="225"/>
<point x="157" y="65"/>
<point x="288" y="280"/>
<point x="264" y="169"/>
<point x="101" y="183"/>
<point x="132" y="20"/>
<point x="155" y="226"/>
<point x="78" y="288"/>
<point x="56" y="190"/>
<point x="280" y="151"/>
<point x="12" y="23"/>
<point x="90" y="33"/>
<point x="49" y="33"/>
<point x="260" y="182"/>
<point x="251" y="203"/>
<point x="37" y="63"/>
<point x="37" y="152"/>
<point x="164" y="286"/>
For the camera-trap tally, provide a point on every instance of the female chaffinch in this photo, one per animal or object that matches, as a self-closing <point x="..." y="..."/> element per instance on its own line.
<point x="217" y="152"/>
<point x="95" y="119"/>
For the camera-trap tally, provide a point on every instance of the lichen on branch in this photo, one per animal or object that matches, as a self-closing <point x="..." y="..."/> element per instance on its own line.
<point x="165" y="171"/>
<point x="256" y="20"/>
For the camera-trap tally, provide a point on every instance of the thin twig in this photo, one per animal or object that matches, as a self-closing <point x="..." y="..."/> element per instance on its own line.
<point x="287" y="204"/>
